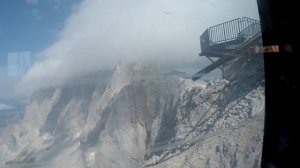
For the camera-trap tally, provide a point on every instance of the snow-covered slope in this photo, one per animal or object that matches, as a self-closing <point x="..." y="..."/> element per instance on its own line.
<point x="139" y="118"/>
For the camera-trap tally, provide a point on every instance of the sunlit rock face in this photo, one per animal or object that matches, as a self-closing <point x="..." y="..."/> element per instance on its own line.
<point x="139" y="117"/>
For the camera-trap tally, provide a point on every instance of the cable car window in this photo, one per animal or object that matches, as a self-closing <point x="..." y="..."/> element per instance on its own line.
<point x="162" y="83"/>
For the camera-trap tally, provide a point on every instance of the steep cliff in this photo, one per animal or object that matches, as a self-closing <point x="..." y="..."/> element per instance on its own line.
<point x="139" y="117"/>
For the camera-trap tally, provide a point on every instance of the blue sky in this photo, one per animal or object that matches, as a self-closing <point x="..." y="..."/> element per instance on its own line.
<point x="31" y="25"/>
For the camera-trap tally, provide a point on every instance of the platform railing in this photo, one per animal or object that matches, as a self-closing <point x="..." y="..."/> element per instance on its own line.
<point x="228" y="31"/>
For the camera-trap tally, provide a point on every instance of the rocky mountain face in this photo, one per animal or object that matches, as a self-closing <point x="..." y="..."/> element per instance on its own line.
<point x="139" y="117"/>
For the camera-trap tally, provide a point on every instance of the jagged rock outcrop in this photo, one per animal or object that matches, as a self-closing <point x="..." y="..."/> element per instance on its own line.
<point x="139" y="118"/>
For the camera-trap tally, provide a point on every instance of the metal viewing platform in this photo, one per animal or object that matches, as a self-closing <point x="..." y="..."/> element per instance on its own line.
<point x="227" y="41"/>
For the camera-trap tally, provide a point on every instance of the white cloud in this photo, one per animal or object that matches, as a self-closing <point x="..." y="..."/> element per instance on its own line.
<point x="5" y="107"/>
<point x="101" y="33"/>
<point x="32" y="2"/>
